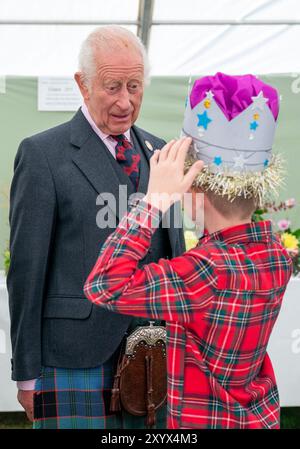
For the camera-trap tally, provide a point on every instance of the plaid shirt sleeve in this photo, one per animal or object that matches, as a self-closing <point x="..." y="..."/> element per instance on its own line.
<point x="171" y="290"/>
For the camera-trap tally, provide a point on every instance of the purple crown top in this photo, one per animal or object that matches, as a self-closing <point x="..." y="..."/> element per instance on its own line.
<point x="233" y="93"/>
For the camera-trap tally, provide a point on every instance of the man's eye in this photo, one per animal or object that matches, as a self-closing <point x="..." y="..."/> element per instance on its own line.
<point x="112" y="88"/>
<point x="133" y="86"/>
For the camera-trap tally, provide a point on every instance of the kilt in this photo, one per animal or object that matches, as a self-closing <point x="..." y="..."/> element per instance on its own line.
<point x="74" y="399"/>
<point x="67" y="398"/>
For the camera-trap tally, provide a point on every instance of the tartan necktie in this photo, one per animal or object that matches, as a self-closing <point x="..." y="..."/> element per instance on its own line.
<point x="128" y="158"/>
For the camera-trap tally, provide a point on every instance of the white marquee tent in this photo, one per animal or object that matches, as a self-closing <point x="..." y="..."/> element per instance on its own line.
<point x="188" y="37"/>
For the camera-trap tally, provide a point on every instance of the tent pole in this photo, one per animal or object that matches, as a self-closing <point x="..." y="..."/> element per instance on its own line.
<point x="145" y="15"/>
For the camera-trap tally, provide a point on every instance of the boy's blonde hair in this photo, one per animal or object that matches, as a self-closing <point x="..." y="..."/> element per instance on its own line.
<point x="240" y="207"/>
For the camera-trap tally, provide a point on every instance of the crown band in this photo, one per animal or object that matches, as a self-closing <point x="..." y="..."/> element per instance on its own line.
<point x="225" y="148"/>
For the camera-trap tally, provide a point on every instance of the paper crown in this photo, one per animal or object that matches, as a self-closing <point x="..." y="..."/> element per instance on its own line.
<point x="232" y="120"/>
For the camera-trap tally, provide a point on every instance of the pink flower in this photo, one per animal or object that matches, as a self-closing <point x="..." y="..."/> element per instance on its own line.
<point x="283" y="225"/>
<point x="291" y="202"/>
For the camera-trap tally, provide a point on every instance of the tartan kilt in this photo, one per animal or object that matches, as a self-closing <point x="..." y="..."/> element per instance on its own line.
<point x="74" y="398"/>
<point x="80" y="399"/>
<point x="67" y="398"/>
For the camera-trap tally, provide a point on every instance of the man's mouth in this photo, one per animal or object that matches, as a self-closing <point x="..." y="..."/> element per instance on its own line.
<point x="121" y="117"/>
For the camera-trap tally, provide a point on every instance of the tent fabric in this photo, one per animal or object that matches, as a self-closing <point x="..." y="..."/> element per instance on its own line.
<point x="174" y="50"/>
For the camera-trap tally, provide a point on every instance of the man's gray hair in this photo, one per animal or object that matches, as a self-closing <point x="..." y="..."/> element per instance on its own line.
<point x="109" y="36"/>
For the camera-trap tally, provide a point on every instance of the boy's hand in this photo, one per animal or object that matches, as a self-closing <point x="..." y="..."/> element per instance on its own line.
<point x="167" y="182"/>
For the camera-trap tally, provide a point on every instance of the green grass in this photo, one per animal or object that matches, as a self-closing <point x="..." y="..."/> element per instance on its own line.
<point x="290" y="419"/>
<point x="14" y="420"/>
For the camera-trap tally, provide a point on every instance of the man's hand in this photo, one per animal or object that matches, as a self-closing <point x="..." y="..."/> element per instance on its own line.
<point x="26" y="400"/>
<point x="167" y="182"/>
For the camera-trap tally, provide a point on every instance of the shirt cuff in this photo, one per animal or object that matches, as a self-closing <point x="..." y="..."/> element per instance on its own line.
<point x="26" y="385"/>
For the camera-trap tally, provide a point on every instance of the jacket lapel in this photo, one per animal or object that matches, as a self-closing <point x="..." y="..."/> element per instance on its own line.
<point x="141" y="140"/>
<point x="144" y="168"/>
<point x="97" y="164"/>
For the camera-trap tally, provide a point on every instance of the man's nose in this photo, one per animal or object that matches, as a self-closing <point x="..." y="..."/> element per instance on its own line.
<point x="124" y="99"/>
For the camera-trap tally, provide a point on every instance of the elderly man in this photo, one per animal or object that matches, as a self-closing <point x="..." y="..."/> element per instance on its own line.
<point x="64" y="348"/>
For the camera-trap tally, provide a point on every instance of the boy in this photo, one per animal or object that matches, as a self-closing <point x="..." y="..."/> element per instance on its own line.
<point x="220" y="299"/>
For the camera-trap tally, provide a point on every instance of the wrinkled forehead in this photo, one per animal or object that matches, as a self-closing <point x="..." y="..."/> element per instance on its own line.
<point x="120" y="61"/>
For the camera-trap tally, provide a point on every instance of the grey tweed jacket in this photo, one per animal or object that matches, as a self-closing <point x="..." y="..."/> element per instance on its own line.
<point x="55" y="241"/>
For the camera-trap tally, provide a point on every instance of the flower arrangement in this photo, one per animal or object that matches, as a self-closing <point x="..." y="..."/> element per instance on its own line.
<point x="290" y="238"/>
<point x="4" y="203"/>
<point x="190" y="240"/>
<point x="6" y="260"/>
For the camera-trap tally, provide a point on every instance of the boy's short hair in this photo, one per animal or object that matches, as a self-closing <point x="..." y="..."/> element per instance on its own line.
<point x="240" y="207"/>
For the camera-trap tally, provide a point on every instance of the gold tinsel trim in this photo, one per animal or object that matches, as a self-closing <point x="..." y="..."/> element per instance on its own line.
<point x="263" y="185"/>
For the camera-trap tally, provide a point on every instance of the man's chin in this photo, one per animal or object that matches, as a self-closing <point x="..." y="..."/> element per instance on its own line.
<point x="120" y="129"/>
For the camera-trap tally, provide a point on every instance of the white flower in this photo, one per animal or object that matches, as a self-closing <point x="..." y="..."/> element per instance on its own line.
<point x="291" y="202"/>
<point x="283" y="225"/>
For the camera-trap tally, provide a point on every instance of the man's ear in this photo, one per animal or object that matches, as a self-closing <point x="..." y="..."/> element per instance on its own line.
<point x="79" y="78"/>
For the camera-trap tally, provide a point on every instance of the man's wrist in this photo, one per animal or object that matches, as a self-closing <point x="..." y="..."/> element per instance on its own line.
<point x="26" y="385"/>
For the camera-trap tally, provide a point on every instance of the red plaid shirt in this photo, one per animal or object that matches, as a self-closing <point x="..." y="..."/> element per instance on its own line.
<point x="220" y="300"/>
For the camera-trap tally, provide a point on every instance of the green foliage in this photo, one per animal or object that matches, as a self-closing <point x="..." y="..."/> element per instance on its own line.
<point x="6" y="260"/>
<point x="259" y="215"/>
<point x="290" y="239"/>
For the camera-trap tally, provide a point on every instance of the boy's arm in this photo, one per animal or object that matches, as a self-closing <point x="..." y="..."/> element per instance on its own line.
<point x="172" y="290"/>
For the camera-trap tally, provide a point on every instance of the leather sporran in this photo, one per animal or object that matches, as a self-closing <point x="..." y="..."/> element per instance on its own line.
<point x="140" y="382"/>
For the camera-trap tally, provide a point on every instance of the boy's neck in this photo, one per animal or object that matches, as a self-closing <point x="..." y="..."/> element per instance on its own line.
<point x="217" y="223"/>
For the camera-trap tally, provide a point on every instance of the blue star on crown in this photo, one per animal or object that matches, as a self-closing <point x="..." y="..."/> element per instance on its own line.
<point x="204" y="120"/>
<point x="218" y="160"/>
<point x="253" y="125"/>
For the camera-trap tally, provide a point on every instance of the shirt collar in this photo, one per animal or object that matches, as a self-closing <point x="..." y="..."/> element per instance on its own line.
<point x="250" y="232"/>
<point x="97" y="130"/>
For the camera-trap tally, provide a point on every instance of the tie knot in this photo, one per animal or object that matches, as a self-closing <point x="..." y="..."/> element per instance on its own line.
<point x="122" y="142"/>
<point x="119" y="138"/>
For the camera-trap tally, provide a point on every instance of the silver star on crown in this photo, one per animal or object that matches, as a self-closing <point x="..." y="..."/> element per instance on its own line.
<point x="259" y="101"/>
<point x="239" y="161"/>
<point x="209" y="95"/>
